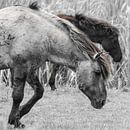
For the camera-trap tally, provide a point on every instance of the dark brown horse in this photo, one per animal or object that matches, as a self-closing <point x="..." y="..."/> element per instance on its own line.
<point x="29" y="38"/>
<point x="100" y="32"/>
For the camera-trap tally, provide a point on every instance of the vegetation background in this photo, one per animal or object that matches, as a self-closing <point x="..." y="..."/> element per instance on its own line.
<point x="73" y="106"/>
<point x="113" y="11"/>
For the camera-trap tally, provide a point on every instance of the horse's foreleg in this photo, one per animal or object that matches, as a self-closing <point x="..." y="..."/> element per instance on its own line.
<point x="11" y="77"/>
<point x="53" y="75"/>
<point x="33" y="80"/>
<point x="19" y="78"/>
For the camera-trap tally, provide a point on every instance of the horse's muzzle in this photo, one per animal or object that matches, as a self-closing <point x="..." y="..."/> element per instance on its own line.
<point x="98" y="104"/>
<point x="117" y="58"/>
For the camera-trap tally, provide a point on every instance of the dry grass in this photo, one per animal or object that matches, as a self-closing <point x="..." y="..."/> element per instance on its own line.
<point x="68" y="109"/>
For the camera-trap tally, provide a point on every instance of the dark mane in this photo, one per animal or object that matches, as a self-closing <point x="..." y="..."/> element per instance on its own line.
<point x="68" y="17"/>
<point x="34" y="5"/>
<point x="85" y="45"/>
<point x="94" y="26"/>
<point x="99" y="24"/>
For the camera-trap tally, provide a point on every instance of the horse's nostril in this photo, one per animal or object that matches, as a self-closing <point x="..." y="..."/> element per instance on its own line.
<point x="103" y="102"/>
<point x="100" y="101"/>
<point x="80" y="88"/>
<point x="117" y="58"/>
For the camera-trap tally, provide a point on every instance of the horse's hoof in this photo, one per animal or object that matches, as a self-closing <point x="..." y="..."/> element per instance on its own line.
<point x="22" y="126"/>
<point x="19" y="125"/>
<point x="53" y="88"/>
<point x="14" y="120"/>
<point x="11" y="120"/>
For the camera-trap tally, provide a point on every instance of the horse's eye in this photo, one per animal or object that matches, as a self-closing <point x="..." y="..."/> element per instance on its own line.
<point x="97" y="72"/>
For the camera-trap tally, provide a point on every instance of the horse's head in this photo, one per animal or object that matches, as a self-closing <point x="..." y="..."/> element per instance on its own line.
<point x="91" y="77"/>
<point x="111" y="45"/>
<point x="91" y="83"/>
<point x="93" y="69"/>
<point x="102" y="32"/>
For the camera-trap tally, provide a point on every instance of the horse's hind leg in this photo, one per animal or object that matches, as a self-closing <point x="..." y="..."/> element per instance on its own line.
<point x="19" y="78"/>
<point x="53" y="75"/>
<point x="33" y="80"/>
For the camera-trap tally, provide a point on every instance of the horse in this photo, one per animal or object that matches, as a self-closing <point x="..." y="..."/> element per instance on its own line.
<point x="29" y="38"/>
<point x="98" y="31"/>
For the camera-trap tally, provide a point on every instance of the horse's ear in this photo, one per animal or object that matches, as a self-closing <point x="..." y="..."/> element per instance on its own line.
<point x="109" y="31"/>
<point x="34" y="5"/>
<point x="80" y="18"/>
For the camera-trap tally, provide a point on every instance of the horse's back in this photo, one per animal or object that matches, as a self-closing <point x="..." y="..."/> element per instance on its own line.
<point x="24" y="20"/>
<point x="32" y="34"/>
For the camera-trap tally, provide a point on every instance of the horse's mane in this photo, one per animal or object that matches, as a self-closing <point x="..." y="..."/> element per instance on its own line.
<point x="34" y="5"/>
<point x="87" y="47"/>
<point x="91" y="25"/>
<point x="94" y="26"/>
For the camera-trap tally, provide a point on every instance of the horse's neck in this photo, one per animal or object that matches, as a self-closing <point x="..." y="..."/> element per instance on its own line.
<point x="70" y="60"/>
<point x="92" y="34"/>
<point x="68" y="55"/>
<point x="62" y="53"/>
<point x="96" y="39"/>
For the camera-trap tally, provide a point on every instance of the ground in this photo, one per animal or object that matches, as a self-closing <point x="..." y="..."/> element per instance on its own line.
<point x="68" y="109"/>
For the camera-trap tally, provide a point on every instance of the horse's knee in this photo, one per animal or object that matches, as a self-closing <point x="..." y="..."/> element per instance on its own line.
<point x="18" y="90"/>
<point x="17" y="96"/>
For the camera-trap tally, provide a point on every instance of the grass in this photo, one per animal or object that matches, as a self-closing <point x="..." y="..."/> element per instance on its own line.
<point x="68" y="109"/>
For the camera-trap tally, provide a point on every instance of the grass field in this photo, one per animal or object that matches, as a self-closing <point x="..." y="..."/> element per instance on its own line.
<point x="68" y="109"/>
